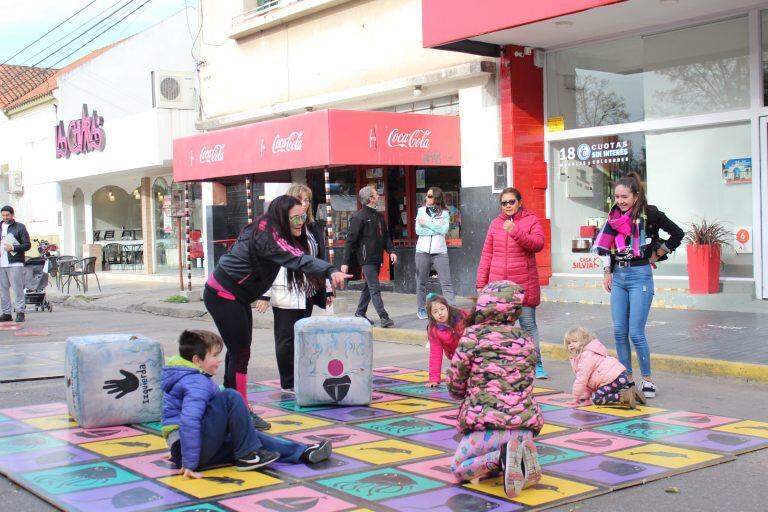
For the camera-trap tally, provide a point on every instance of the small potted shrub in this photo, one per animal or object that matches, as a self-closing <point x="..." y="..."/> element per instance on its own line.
<point x="704" y="241"/>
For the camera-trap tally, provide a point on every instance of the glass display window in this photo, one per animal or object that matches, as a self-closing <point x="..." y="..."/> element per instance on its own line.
<point x="689" y="174"/>
<point x="449" y="181"/>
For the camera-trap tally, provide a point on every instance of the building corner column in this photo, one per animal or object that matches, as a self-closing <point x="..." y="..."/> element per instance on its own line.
<point x="147" y="226"/>
<point x="522" y="139"/>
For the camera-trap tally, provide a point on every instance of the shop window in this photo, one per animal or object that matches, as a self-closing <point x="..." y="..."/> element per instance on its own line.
<point x="764" y="37"/>
<point x="449" y="180"/>
<point x="683" y="72"/>
<point x="689" y="174"/>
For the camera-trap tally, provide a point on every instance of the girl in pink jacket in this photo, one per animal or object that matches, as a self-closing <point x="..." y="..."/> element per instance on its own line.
<point x="600" y="378"/>
<point x="443" y="331"/>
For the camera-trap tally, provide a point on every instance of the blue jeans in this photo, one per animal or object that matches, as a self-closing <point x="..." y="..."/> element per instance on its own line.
<point x="227" y="434"/>
<point x="631" y="297"/>
<point x="528" y="324"/>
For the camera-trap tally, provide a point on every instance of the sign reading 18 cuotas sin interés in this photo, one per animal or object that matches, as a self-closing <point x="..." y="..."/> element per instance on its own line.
<point x="81" y="135"/>
<point x="593" y="154"/>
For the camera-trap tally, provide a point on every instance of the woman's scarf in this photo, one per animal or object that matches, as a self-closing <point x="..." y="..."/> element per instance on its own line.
<point x="621" y="232"/>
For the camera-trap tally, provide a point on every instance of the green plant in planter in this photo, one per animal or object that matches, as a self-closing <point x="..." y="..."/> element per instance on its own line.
<point x="704" y="243"/>
<point x="177" y="299"/>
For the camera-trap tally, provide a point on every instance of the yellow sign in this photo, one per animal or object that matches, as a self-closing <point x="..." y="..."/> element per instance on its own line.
<point x="220" y="481"/>
<point x="294" y="422"/>
<point x="127" y="445"/>
<point x="664" y="455"/>
<point x="408" y="405"/>
<point x="641" y="410"/>
<point x="386" y="452"/>
<point x="52" y="422"/>
<point x="747" y="428"/>
<point x="555" y="124"/>
<point x="547" y="490"/>
<point x="420" y="376"/>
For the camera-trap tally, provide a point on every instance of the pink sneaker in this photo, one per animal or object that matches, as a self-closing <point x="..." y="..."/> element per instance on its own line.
<point x="531" y="466"/>
<point x="511" y="461"/>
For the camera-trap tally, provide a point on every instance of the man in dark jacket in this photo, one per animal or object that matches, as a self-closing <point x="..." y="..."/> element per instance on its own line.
<point x="14" y="241"/>
<point x="368" y="237"/>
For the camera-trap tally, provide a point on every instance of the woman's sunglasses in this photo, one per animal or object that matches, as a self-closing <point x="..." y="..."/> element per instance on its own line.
<point x="511" y="202"/>
<point x="298" y="220"/>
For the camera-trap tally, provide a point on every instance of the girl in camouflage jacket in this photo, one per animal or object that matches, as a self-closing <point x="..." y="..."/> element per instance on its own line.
<point x="492" y="372"/>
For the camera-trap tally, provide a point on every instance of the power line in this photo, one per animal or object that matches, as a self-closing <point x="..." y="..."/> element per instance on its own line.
<point x="19" y="77"/>
<point x="42" y="36"/>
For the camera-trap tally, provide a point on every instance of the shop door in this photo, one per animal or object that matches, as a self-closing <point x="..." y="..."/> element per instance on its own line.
<point x="763" y="181"/>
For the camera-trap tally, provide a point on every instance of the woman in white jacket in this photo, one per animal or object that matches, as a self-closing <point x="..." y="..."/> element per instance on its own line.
<point x="292" y="301"/>
<point x="432" y="223"/>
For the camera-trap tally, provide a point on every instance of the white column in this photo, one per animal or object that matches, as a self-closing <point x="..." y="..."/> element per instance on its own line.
<point x="88" y="217"/>
<point x="480" y="116"/>
<point x="207" y="191"/>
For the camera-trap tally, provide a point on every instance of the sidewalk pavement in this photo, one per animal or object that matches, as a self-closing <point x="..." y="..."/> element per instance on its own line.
<point x="715" y="343"/>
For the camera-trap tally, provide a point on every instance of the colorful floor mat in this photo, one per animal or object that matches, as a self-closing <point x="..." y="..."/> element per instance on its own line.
<point x="393" y="455"/>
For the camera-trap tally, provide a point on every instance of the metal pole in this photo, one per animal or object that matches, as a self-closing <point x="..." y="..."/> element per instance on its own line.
<point x="181" y="274"/>
<point x="328" y="213"/>
<point x="249" y="198"/>
<point x="186" y="233"/>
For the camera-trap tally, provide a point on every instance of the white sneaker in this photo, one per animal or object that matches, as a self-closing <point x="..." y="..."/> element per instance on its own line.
<point x="649" y="389"/>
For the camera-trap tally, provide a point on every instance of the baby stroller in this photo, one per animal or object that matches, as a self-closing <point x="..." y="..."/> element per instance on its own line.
<point x="35" y="281"/>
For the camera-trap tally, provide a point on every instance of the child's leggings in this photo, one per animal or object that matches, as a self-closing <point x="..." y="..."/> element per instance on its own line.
<point x="478" y="452"/>
<point x="234" y="320"/>
<point x="609" y="394"/>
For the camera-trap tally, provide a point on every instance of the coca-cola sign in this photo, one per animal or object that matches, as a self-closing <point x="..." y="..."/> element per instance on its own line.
<point x="287" y="144"/>
<point x="81" y="136"/>
<point x="414" y="139"/>
<point x="214" y="154"/>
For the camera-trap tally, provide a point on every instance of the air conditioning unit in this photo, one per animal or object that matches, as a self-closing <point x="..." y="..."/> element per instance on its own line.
<point x="15" y="183"/>
<point x="502" y="174"/>
<point x="173" y="89"/>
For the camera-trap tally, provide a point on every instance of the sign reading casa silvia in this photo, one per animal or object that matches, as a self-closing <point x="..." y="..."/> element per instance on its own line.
<point x="81" y="135"/>
<point x="317" y="139"/>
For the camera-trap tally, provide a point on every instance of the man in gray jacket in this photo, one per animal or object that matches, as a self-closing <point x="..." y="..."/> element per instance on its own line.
<point x="14" y="242"/>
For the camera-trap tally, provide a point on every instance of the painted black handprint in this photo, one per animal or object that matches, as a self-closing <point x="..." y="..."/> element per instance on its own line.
<point x="122" y="387"/>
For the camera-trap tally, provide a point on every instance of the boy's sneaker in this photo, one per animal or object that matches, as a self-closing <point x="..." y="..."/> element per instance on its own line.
<point x="256" y="459"/>
<point x="511" y="461"/>
<point x="289" y="391"/>
<point x="6" y="318"/>
<point x="258" y="423"/>
<point x="421" y="313"/>
<point x="649" y="389"/>
<point x="317" y="452"/>
<point x="531" y="465"/>
<point x="363" y="316"/>
<point x="540" y="373"/>
<point x="387" y="322"/>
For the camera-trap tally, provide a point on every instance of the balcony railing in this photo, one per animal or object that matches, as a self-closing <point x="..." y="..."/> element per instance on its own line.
<point x="263" y="7"/>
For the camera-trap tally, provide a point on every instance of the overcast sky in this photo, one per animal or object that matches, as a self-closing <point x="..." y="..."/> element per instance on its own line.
<point x="23" y="21"/>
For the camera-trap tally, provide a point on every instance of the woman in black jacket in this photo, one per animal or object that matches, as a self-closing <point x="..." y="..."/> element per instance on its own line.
<point x="630" y="245"/>
<point x="291" y="303"/>
<point x="245" y="272"/>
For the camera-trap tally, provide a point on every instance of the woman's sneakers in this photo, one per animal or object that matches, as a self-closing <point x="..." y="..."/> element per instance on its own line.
<point x="649" y="389"/>
<point x="421" y="313"/>
<point x="317" y="452"/>
<point x="520" y="466"/>
<point x="256" y="459"/>
<point x="540" y="373"/>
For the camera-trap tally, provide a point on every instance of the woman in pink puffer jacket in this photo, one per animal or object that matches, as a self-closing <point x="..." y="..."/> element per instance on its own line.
<point x="509" y="253"/>
<point x="600" y="379"/>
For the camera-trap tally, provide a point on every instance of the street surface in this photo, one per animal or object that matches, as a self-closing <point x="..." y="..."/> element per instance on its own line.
<point x="734" y="486"/>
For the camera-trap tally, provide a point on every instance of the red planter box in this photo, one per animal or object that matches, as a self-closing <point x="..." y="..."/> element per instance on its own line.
<point x="703" y="268"/>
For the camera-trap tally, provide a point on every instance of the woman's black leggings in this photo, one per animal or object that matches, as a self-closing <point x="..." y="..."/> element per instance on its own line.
<point x="234" y="320"/>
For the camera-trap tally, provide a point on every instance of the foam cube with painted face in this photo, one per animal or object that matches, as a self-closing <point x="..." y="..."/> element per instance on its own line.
<point x="333" y="359"/>
<point x="113" y="379"/>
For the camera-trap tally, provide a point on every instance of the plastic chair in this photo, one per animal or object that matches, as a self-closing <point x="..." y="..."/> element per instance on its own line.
<point x="195" y="245"/>
<point x="58" y="275"/>
<point x="81" y="269"/>
<point x="112" y="254"/>
<point x="68" y="271"/>
<point x="109" y="234"/>
<point x="97" y="235"/>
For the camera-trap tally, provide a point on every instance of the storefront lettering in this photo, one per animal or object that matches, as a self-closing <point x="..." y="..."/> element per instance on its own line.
<point x="82" y="135"/>
<point x="414" y="139"/>
<point x="287" y="144"/>
<point x="587" y="263"/>
<point x="593" y="154"/>
<point x="215" y="154"/>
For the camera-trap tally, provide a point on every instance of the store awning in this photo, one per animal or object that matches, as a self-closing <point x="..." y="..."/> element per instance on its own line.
<point x="318" y="139"/>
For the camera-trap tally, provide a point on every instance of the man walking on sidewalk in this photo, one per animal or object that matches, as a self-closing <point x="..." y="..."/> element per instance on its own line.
<point x="14" y="241"/>
<point x="368" y="236"/>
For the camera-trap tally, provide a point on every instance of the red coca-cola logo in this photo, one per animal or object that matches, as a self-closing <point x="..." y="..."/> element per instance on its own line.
<point x="287" y="144"/>
<point x="214" y="154"/>
<point x="414" y="139"/>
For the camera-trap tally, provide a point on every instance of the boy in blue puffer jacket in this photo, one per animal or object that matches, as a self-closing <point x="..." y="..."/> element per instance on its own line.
<point x="194" y="409"/>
